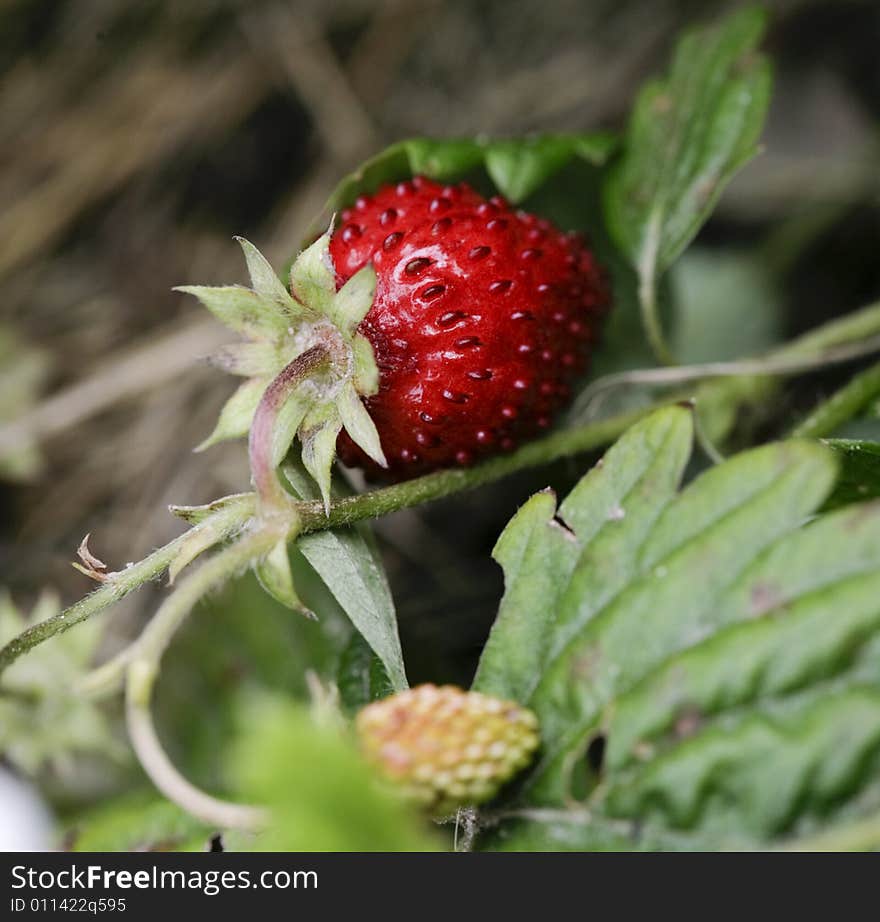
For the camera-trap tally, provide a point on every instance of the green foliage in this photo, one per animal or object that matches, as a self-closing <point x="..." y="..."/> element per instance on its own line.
<point x="724" y="651"/>
<point x="517" y="167"/>
<point x="348" y="561"/>
<point x="323" y="796"/>
<point x="687" y="137"/>
<point x="45" y="725"/>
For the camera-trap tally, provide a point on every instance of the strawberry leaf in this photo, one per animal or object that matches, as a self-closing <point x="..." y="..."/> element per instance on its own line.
<point x="722" y="645"/>
<point x="687" y="137"/>
<point x="517" y="167"/>
<point x="348" y="562"/>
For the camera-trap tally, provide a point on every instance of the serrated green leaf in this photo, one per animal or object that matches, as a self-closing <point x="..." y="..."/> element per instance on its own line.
<point x="353" y="301"/>
<point x="348" y="562"/>
<point x="767" y="655"/>
<point x="359" y="424"/>
<point x="312" y="277"/>
<point x="859" y="478"/>
<point x="687" y="137"/>
<point x="264" y="281"/>
<point x="816" y="752"/>
<point x="274" y="575"/>
<point x="237" y="414"/>
<point x="604" y="521"/>
<point x="321" y="794"/>
<point x="725" y="647"/>
<point x="704" y="539"/>
<point x="241" y="309"/>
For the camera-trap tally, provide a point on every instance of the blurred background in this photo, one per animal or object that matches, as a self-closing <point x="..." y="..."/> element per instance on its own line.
<point x="136" y="139"/>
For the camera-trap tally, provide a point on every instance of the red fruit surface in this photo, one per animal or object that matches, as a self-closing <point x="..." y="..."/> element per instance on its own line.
<point x="482" y="318"/>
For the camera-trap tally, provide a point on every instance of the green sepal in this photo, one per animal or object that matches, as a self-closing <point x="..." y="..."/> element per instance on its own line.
<point x="237" y="413"/>
<point x="290" y="418"/>
<point x="278" y="329"/>
<point x="353" y="301"/>
<point x="274" y="575"/>
<point x="195" y="515"/>
<point x="247" y="359"/>
<point x="359" y="424"/>
<point x="263" y="278"/>
<point x="313" y="278"/>
<point x="318" y="435"/>
<point x="366" y="371"/>
<point x="210" y="525"/>
<point x="240" y="309"/>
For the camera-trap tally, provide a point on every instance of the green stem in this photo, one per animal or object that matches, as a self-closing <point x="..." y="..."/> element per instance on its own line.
<point x="650" y="311"/>
<point x="771" y="365"/>
<point x="385" y="500"/>
<point x="841" y="406"/>
<point x="117" y="586"/>
<point x="143" y="667"/>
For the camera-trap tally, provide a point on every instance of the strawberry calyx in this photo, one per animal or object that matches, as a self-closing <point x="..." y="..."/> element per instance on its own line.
<point x="305" y="363"/>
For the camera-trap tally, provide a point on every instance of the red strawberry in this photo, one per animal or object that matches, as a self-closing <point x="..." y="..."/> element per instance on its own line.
<point x="481" y="319"/>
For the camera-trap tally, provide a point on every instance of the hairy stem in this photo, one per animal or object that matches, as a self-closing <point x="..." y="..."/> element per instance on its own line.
<point x="444" y="483"/>
<point x="143" y="667"/>
<point x="117" y="586"/>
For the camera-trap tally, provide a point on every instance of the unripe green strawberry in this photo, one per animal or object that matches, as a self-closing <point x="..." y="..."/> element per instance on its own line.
<point x="446" y="748"/>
